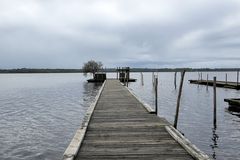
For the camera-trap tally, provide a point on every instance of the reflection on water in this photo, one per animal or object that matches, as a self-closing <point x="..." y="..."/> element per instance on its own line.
<point x="40" y="113"/>
<point x="214" y="142"/>
<point x="89" y="92"/>
<point x="196" y="111"/>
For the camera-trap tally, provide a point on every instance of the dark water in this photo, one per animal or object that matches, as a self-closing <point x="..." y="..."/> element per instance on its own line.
<point x="40" y="113"/>
<point x="196" y="112"/>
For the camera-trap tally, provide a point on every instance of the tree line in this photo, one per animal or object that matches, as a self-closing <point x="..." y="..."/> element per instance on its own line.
<point x="96" y="66"/>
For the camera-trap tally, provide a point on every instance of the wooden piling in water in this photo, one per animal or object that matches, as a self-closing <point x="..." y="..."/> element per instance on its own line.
<point x="198" y="79"/>
<point x="142" y="82"/>
<point x="237" y="77"/>
<point x="214" y="102"/>
<point x="207" y="82"/>
<point x="226" y="77"/>
<point x="178" y="99"/>
<point x="153" y="78"/>
<point x="117" y="72"/>
<point x="175" y="80"/>
<point x="127" y="78"/>
<point x="156" y="94"/>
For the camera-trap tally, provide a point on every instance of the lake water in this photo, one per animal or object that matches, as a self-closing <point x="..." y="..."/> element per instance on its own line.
<point x="196" y="111"/>
<point x="40" y="113"/>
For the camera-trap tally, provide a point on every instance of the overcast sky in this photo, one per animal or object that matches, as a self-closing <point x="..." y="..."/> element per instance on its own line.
<point x="136" y="33"/>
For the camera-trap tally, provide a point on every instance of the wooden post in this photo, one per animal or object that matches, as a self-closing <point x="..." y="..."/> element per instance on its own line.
<point x="175" y="80"/>
<point x="121" y="72"/>
<point x="127" y="77"/>
<point x="214" y="103"/>
<point x="237" y="77"/>
<point x="201" y="76"/>
<point x="198" y="79"/>
<point x="156" y="95"/>
<point x="178" y="100"/>
<point x="153" y="78"/>
<point x="117" y="72"/>
<point x="142" y="79"/>
<point x="207" y="82"/>
<point x="226" y="76"/>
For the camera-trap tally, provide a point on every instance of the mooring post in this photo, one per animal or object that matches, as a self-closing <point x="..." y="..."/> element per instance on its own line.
<point x="142" y="79"/>
<point x="125" y="77"/>
<point x="178" y="99"/>
<point x="226" y="76"/>
<point x="127" y="72"/>
<point x="121" y="73"/>
<point x="198" y="79"/>
<point x="117" y="72"/>
<point x="201" y="76"/>
<point x="214" y="102"/>
<point x="207" y="82"/>
<point x="237" y="77"/>
<point x="153" y="78"/>
<point x="175" y="80"/>
<point x="156" y="95"/>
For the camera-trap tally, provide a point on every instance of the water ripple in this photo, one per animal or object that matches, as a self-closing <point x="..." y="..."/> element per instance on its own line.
<point x="196" y="112"/>
<point x="40" y="115"/>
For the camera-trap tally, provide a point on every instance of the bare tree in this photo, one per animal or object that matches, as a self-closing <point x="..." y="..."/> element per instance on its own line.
<point x="92" y="67"/>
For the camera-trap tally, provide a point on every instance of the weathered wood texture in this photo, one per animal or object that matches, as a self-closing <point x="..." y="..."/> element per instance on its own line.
<point x="121" y="128"/>
<point x="234" y="104"/>
<point x="231" y="85"/>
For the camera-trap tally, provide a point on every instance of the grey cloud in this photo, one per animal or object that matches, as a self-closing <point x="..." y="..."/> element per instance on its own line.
<point x="65" y="34"/>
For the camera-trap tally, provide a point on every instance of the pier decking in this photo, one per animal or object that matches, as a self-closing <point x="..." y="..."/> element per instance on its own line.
<point x="223" y="84"/>
<point x="120" y="127"/>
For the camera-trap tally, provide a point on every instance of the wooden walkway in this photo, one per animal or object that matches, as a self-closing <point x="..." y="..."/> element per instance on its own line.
<point x="223" y="84"/>
<point x="121" y="128"/>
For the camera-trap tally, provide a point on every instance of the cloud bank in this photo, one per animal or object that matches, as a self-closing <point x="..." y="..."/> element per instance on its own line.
<point x="136" y="33"/>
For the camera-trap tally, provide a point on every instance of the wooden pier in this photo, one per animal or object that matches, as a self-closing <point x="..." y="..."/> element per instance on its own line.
<point x="223" y="84"/>
<point x="118" y="126"/>
<point x="234" y="104"/>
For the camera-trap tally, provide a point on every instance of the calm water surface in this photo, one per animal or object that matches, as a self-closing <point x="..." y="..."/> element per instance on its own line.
<point x="40" y="113"/>
<point x="196" y="112"/>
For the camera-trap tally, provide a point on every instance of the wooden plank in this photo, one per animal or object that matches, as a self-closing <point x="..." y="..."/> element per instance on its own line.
<point x="133" y="157"/>
<point x="192" y="149"/>
<point x="122" y="128"/>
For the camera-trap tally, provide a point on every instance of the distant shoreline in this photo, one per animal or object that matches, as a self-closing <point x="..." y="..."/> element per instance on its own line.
<point x="30" y="70"/>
